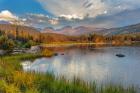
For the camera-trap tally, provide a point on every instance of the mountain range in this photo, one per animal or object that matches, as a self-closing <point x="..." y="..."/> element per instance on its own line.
<point x="82" y="30"/>
<point x="70" y="31"/>
<point x="131" y="29"/>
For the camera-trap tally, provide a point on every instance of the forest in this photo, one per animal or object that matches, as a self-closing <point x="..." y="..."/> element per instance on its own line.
<point x="21" y="36"/>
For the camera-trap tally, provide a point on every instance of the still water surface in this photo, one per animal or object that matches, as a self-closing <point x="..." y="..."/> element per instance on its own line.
<point x="96" y="64"/>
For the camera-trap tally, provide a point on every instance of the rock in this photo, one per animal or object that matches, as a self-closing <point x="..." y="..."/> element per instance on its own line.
<point x="34" y="49"/>
<point x="19" y="50"/>
<point x="120" y="55"/>
<point x="2" y="52"/>
<point x="55" y="54"/>
<point x="62" y="54"/>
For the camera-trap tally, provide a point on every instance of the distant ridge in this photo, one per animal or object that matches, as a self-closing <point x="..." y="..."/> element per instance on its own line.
<point x="82" y="30"/>
<point x="131" y="29"/>
<point x="68" y="30"/>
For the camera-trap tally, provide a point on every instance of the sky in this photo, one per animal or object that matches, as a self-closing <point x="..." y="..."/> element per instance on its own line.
<point x="60" y="13"/>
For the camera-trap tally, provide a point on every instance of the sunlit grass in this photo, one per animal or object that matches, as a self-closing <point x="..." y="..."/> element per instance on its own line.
<point x="47" y="53"/>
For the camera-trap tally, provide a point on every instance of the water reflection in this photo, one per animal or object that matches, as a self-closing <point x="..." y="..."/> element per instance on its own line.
<point x="99" y="64"/>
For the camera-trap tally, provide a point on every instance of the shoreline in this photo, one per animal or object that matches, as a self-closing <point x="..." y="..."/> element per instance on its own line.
<point x="96" y="44"/>
<point x="71" y="44"/>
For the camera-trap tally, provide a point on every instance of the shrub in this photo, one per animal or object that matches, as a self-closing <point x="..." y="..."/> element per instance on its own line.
<point x="47" y="53"/>
<point x="29" y="44"/>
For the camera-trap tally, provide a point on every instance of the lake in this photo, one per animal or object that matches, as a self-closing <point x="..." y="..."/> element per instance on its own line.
<point x="92" y="64"/>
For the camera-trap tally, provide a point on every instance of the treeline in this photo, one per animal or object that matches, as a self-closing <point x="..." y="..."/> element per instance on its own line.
<point x="21" y="36"/>
<point x="25" y="37"/>
<point x="8" y="43"/>
<point x="21" y="33"/>
<point x="17" y="36"/>
<point x="24" y="34"/>
<point x="122" y="39"/>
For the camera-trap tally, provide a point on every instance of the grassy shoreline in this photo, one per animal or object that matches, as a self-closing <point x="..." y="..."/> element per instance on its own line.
<point x="66" y="44"/>
<point x="14" y="80"/>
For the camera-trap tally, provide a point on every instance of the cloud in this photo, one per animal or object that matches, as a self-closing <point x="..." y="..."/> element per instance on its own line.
<point x="40" y="20"/>
<point x="123" y="18"/>
<point x="90" y="8"/>
<point x="28" y="19"/>
<point x="9" y="17"/>
<point x="98" y="13"/>
<point x="6" y="15"/>
<point x="69" y="17"/>
<point x="53" y="22"/>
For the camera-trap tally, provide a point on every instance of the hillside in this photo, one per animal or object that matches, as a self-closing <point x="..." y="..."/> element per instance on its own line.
<point x="70" y="31"/>
<point x="19" y="31"/>
<point x="132" y="29"/>
<point x="26" y="33"/>
<point x="53" y="37"/>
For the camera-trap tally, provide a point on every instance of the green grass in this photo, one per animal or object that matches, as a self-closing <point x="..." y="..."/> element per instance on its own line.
<point x="14" y="80"/>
